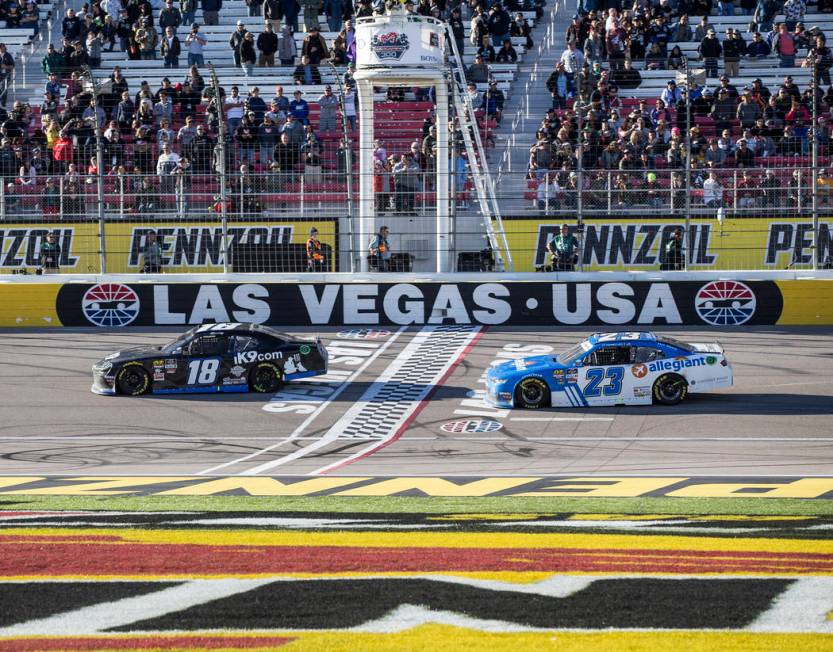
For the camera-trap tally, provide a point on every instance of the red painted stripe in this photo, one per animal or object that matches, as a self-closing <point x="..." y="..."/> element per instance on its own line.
<point x="420" y="406"/>
<point x="127" y="559"/>
<point x="143" y="643"/>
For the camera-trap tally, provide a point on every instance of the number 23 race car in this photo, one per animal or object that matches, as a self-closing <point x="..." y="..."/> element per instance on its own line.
<point x="610" y="369"/>
<point x="212" y="358"/>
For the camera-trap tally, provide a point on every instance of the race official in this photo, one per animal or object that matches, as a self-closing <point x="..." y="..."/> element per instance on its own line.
<point x="50" y="254"/>
<point x="380" y="250"/>
<point x="563" y="250"/>
<point x="673" y="258"/>
<point x="315" y="253"/>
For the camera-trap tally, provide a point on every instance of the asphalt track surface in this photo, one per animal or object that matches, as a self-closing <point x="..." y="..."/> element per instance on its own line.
<point x="382" y="409"/>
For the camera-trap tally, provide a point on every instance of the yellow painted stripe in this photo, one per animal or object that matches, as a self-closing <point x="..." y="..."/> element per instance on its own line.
<point x="599" y="541"/>
<point x="445" y="637"/>
<point x="28" y="304"/>
<point x="806" y="302"/>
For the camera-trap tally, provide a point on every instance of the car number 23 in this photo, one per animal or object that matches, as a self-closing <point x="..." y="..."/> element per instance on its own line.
<point x="596" y="377"/>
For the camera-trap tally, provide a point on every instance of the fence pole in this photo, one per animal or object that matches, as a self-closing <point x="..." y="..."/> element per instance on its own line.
<point x="579" y="106"/>
<point x="220" y="165"/>
<point x="814" y="172"/>
<point x="687" y="229"/>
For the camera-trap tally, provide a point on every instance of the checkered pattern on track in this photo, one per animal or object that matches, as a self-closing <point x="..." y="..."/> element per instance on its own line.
<point x="405" y="382"/>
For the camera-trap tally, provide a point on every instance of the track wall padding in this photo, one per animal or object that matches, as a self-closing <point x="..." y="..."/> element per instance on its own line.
<point x="612" y="304"/>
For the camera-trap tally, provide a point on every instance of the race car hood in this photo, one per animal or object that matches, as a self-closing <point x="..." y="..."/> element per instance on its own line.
<point x="133" y="353"/>
<point x="532" y="363"/>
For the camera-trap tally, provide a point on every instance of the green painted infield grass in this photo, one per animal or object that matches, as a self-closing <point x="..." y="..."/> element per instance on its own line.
<point x="492" y="505"/>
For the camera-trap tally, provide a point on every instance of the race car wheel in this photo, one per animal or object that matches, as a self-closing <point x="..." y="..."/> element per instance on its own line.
<point x="670" y="389"/>
<point x="265" y="378"/>
<point x="532" y="393"/>
<point x="133" y="380"/>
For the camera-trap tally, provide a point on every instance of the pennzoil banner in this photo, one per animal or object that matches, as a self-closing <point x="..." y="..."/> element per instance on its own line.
<point x="187" y="246"/>
<point x="636" y="244"/>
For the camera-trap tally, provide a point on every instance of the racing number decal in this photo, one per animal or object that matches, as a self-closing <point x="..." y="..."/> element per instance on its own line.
<point x="202" y="372"/>
<point x="596" y="376"/>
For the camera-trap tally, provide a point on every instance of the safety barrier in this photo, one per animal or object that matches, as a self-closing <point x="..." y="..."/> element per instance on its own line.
<point x="591" y="299"/>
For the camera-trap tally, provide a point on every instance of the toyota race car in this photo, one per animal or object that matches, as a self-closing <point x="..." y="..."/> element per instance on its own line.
<point x="610" y="369"/>
<point x="212" y="358"/>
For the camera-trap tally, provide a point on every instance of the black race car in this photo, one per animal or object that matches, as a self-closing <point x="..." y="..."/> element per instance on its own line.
<point x="212" y="358"/>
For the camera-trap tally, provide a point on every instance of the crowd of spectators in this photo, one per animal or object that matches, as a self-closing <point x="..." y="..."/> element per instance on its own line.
<point x="746" y="142"/>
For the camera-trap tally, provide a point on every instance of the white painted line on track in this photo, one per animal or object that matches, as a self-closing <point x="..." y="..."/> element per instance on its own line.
<point x="561" y="418"/>
<point x="370" y="399"/>
<point x="417" y="403"/>
<point x="803" y="607"/>
<point x="300" y="429"/>
<point x="222" y="439"/>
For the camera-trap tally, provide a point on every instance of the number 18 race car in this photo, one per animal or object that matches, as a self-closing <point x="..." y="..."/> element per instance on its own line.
<point x="212" y="358"/>
<point x="610" y="369"/>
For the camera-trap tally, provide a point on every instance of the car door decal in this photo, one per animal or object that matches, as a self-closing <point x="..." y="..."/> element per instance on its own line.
<point x="203" y="371"/>
<point x="595" y="376"/>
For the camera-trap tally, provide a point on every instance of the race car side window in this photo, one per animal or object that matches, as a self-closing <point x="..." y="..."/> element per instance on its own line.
<point x="608" y="355"/>
<point x="209" y="344"/>
<point x="242" y="343"/>
<point x="648" y="354"/>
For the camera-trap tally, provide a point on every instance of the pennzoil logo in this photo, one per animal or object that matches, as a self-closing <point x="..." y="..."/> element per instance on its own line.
<point x="390" y="46"/>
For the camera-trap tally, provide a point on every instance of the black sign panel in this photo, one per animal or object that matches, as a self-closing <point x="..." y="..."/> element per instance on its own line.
<point x="615" y="303"/>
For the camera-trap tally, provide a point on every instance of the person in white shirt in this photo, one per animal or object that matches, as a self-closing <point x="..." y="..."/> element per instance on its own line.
<point x="166" y="165"/>
<point x="572" y="58"/>
<point x="196" y="43"/>
<point x="234" y="109"/>
<point x="712" y="191"/>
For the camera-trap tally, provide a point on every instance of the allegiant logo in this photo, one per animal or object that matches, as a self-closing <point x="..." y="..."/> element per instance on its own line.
<point x="676" y="365"/>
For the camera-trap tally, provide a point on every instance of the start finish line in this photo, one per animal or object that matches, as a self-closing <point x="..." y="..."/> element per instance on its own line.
<point x="530" y="487"/>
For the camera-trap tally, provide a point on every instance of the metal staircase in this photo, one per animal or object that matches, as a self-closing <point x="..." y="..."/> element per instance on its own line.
<point x="479" y="168"/>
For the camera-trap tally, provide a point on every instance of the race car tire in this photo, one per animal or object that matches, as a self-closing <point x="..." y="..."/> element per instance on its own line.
<point x="532" y="394"/>
<point x="133" y="380"/>
<point x="670" y="389"/>
<point x="265" y="378"/>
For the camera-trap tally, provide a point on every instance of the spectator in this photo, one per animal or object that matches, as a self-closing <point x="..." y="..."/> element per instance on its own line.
<point x="267" y="45"/>
<point x="748" y="111"/>
<point x="50" y="254"/>
<point x="71" y="26"/>
<point x="715" y="156"/>
<point x="170" y="16"/>
<point x="734" y="47"/>
<point x="287" y="50"/>
<point x="151" y="252"/>
<point x="671" y="94"/>
<point x="248" y="55"/>
<point x="771" y="187"/>
<point x="171" y="48"/>
<point x="196" y="44"/>
<point x="255" y="7"/>
<point x="655" y="59"/>
<point x="53" y="62"/>
<point x="284" y="159"/>
<point x="563" y="250"/>
<point x="246" y="136"/>
<point x="379" y="249"/>
<point x="594" y="47"/>
<point x="821" y="58"/>
<point x="498" y="23"/>
<point x="616" y="40"/>
<point x="724" y="110"/>
<point x="294" y="129"/>
<point x="268" y="135"/>
<point x="6" y="72"/>
<point x="328" y="106"/>
<point x="314" y="47"/>
<point x="710" y="51"/>
<point x="458" y="30"/>
<point x="493" y="101"/>
<point x="507" y="53"/>
<point x="712" y="191"/>
<point x="682" y="30"/>
<point x="560" y="86"/>
<point x="676" y="60"/>
<point x="211" y="11"/>
<point x="256" y="104"/>
<point x="188" y="11"/>
<point x="236" y="40"/>
<point x="785" y="47"/>
<point x="312" y="8"/>
<point x="486" y="51"/>
<point x="334" y="10"/>
<point x="306" y="73"/>
<point x="744" y="155"/>
<point x="233" y="104"/>
<point x="165" y="165"/>
<point x="673" y="258"/>
<point x="626" y="77"/>
<point x="478" y="71"/>
<point x="794" y="11"/>
<point x="573" y="59"/>
<point x="758" y="48"/>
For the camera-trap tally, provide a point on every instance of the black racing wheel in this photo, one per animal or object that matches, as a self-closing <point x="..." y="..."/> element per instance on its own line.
<point x="133" y="380"/>
<point x="532" y="393"/>
<point x="265" y="378"/>
<point x="670" y="389"/>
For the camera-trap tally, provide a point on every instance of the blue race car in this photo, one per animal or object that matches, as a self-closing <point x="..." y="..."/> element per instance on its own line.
<point x="610" y="369"/>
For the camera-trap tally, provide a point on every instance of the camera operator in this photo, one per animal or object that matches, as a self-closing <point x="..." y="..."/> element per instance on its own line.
<point x="563" y="250"/>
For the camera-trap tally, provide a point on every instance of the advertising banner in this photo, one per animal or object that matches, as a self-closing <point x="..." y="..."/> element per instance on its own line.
<point x="399" y="40"/>
<point x="20" y="246"/>
<point x="187" y="246"/>
<point x="637" y="244"/>
<point x="613" y="304"/>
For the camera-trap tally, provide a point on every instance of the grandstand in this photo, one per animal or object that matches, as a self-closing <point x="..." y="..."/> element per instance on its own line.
<point x="616" y="138"/>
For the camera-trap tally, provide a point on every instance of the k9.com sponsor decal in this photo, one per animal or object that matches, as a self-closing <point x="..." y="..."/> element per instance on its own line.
<point x="611" y="304"/>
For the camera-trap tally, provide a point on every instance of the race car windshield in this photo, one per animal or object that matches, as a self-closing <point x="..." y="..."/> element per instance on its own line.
<point x="670" y="341"/>
<point x="571" y="355"/>
<point x="182" y="340"/>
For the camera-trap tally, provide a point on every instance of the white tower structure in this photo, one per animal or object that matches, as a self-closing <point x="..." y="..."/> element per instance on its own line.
<point x="401" y="49"/>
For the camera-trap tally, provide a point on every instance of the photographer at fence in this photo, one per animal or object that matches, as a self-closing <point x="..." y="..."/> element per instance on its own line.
<point x="563" y="250"/>
<point x="315" y="253"/>
<point x="50" y="253"/>
<point x="673" y="259"/>
<point x="152" y="255"/>
<point x="380" y="250"/>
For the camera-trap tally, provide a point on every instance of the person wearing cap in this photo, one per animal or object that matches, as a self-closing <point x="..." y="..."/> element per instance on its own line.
<point x="267" y="45"/>
<point x="820" y="59"/>
<point x="498" y="24"/>
<point x="195" y="42"/>
<point x="563" y="250"/>
<point x="710" y="51"/>
<point x="458" y="29"/>
<point x="151" y="255"/>
<point x="315" y="252"/>
<point x="211" y="11"/>
<point x="673" y="255"/>
<point x="734" y="47"/>
<point x="671" y="94"/>
<point x="328" y="105"/>
<point x="314" y="46"/>
<point x="236" y="40"/>
<point x="50" y="253"/>
<point x="170" y="16"/>
<point x="306" y="73"/>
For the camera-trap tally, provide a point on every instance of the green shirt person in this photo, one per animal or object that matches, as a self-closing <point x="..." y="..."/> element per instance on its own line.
<point x="563" y="249"/>
<point x="50" y="253"/>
